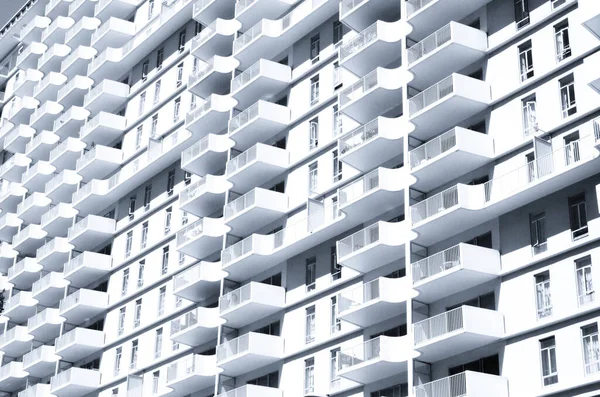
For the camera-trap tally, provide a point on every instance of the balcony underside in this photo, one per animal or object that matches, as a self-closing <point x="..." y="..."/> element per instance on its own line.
<point x="189" y="384"/>
<point x="201" y="246"/>
<point x="374" y="152"/>
<point x="248" y="313"/>
<point x="208" y="162"/>
<point x="453" y="344"/>
<point x="447" y="167"/>
<point x="259" y="87"/>
<point x="373" y="312"/>
<point x="373" y="203"/>
<point x="253" y="218"/>
<point x="370" y="11"/>
<point x="254" y="174"/>
<point x="373" y="103"/>
<point x="213" y="83"/>
<point x="204" y="204"/>
<point x="245" y="362"/>
<point x="195" y="335"/>
<point x="372" y="256"/>
<point x="450" y="282"/>
<point x="377" y="53"/>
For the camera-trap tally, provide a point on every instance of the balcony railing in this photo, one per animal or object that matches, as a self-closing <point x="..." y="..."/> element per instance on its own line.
<point x="204" y="35"/>
<point x="359" y="354"/>
<point x="358" y="42"/>
<point x="242" y="5"/>
<point x="359" y="136"/>
<point x="246" y="76"/>
<point x="241" y="160"/>
<point x="434" y="204"/>
<point x="431" y="95"/>
<point x="240" y="204"/>
<point x="202" y="71"/>
<point x="235" y="298"/>
<point x="193" y="151"/>
<point x="185" y="321"/>
<point x="243" y="117"/>
<point x="433" y="148"/>
<point x="357" y="296"/>
<point x="190" y="232"/>
<point x="348" y="5"/>
<point x="182" y="367"/>
<point x="437" y="326"/>
<point x="200" y="109"/>
<point x="436" y="264"/>
<point x="233" y="347"/>
<point x="359" y="89"/>
<point x="358" y="240"/>
<point x="359" y="187"/>
<point x="429" y="44"/>
<point x="452" y="386"/>
<point x="413" y="6"/>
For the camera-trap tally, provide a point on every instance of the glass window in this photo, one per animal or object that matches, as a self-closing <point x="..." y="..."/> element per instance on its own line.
<point x="309" y="375"/>
<point x="336" y="268"/>
<point x="134" y="354"/>
<point x="154" y="126"/>
<point x="337" y="167"/>
<point x="314" y="90"/>
<point x="142" y="103"/>
<point x="333" y="369"/>
<point x="141" y="268"/>
<point x="118" y="355"/>
<point x="522" y="13"/>
<point x="122" y="313"/>
<point x="170" y="182"/>
<point x="182" y="37"/>
<point x="311" y="273"/>
<point x="548" y="353"/>
<point x="160" y="57"/>
<point x="336" y="323"/>
<point x="543" y="296"/>
<point x="157" y="92"/>
<point x="145" y="70"/>
<point x="313" y="133"/>
<point x="530" y="125"/>
<point x="161" y="300"/>
<point x="310" y="324"/>
<point x="155" y="380"/>
<point x="176" y="109"/>
<point x="561" y="40"/>
<point x="128" y="243"/>
<point x="158" y="343"/>
<point x="125" y="283"/>
<point x="315" y="48"/>
<point x="165" y="261"/>
<point x="338" y="32"/>
<point x="313" y="177"/>
<point x="526" y="60"/>
<point x="568" y="102"/>
<point x="137" y="315"/>
<point x="132" y="207"/>
<point x="591" y="348"/>
<point x="538" y="232"/>
<point x="168" y="216"/>
<point x="144" y="235"/>
<point x="578" y="216"/>
<point x="147" y="197"/>
<point x="138" y="136"/>
<point x="585" y="286"/>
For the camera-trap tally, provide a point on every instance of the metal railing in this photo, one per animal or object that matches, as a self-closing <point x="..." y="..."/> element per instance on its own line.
<point x="429" y="44"/>
<point x="38" y="319"/>
<point x="359" y="354"/>
<point x="235" y="298"/>
<point x="190" y="232"/>
<point x="182" y="367"/>
<point x="359" y="89"/>
<point x="232" y="348"/>
<point x="434" y="205"/>
<point x="359" y="136"/>
<point x="358" y="42"/>
<point x="359" y="187"/>
<point x="436" y="264"/>
<point x="246" y="76"/>
<point x="413" y="6"/>
<point x="9" y="335"/>
<point x="431" y="95"/>
<point x="200" y="5"/>
<point x="204" y="35"/>
<point x="58" y="150"/>
<point x="73" y="264"/>
<point x="195" y="150"/>
<point x="69" y="301"/>
<point x="202" y="71"/>
<point x="358" y="240"/>
<point x="243" y="118"/>
<point x="436" y="326"/>
<point x="241" y="160"/>
<point x="199" y="111"/>
<point x="433" y="148"/>
<point x="44" y="282"/>
<point x="237" y="250"/>
<point x="193" y="191"/>
<point x="452" y="386"/>
<point x="348" y="5"/>
<point x="359" y="295"/>
<point x="242" y="5"/>
<point x="184" y="321"/>
<point x="240" y="204"/>
<point x="188" y="276"/>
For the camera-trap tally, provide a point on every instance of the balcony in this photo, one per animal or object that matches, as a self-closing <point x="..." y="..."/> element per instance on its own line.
<point x="55" y="8"/>
<point x="99" y="162"/>
<point x="375" y="359"/>
<point x="372" y="144"/>
<point x="55" y="32"/>
<point x="36" y="177"/>
<point x="207" y="155"/>
<point x="378" y="45"/>
<point x="86" y="267"/>
<point x="47" y="88"/>
<point x="447" y="103"/>
<point x="374" y="246"/>
<point x="61" y="187"/>
<point x="25" y="81"/>
<point x="212" y="77"/>
<point x="79" y="343"/>
<point x="106" y="96"/>
<point x="7" y="256"/>
<point x="468" y="384"/>
<point x="450" y="155"/>
<point x="32" y="207"/>
<point x="455" y="269"/>
<point x="377" y="93"/>
<point x="75" y="382"/>
<point x="190" y="374"/>
<point x="26" y="11"/>
<point x="205" y="196"/>
<point x="199" y="281"/>
<point x="268" y="37"/>
<point x="40" y="362"/>
<point x="260" y="80"/>
<point x="52" y="58"/>
<point x="249" y="352"/>
<point x="13" y="168"/>
<point x="113" y="33"/>
<point x="54" y="253"/>
<point x="78" y="9"/>
<point x="65" y="154"/>
<point x="209" y="116"/>
<point x="37" y="390"/>
<point x="32" y="31"/>
<point x="215" y="39"/>
<point x="374" y="301"/>
<point x="73" y="92"/>
<point x="201" y="238"/>
<point x="103" y="128"/>
<point x="358" y="14"/>
<point x="19" y="307"/>
<point x="9" y="225"/>
<point x="21" y="109"/>
<point x="258" y="123"/>
<point x="426" y="15"/>
<point x="449" y="49"/>
<point x="40" y="146"/>
<point x="250" y="12"/>
<point x="83" y="305"/>
<point x="91" y="231"/>
<point x="250" y="390"/>
<point x="591" y="21"/>
<point x="15" y="341"/>
<point x="119" y="8"/>
<point x="16" y="140"/>
<point x="11" y="194"/>
<point x="23" y="273"/>
<point x="255" y="209"/>
<point x="77" y="62"/>
<point x="81" y="33"/>
<point x="196" y="327"/>
<point x="12" y="377"/>
<point x="255" y="166"/>
<point x="43" y="117"/>
<point x="27" y="62"/>
<point x="49" y="289"/>
<point x="251" y="302"/>
<point x="44" y="326"/>
<point x="206" y="11"/>
<point x="29" y="239"/>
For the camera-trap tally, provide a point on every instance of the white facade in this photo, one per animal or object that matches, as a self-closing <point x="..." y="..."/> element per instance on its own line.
<point x="281" y="198"/>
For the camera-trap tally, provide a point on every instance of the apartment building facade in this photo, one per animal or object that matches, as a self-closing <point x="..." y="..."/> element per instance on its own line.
<point x="284" y="198"/>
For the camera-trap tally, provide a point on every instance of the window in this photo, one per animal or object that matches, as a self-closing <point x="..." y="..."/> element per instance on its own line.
<point x="155" y="379"/>
<point x="561" y="40"/>
<point x="181" y="260"/>
<point x="138" y="136"/>
<point x="310" y="324"/>
<point x="147" y="197"/>
<point x="526" y="60"/>
<point x="122" y="312"/>
<point x="160" y="57"/>
<point x="141" y="268"/>
<point x="142" y="103"/>
<point x="543" y="297"/>
<point x="187" y="178"/>
<point x="180" y="74"/>
<point x="487" y="365"/>
<point x="309" y="375"/>
<point x="145" y="70"/>
<point x="197" y="28"/>
<point x="137" y="314"/>
<point x="128" y="243"/>
<point x="178" y="301"/>
<point x="184" y="218"/>
<point x="337" y="167"/>
<point x="336" y="269"/>
<point x="132" y="207"/>
<point x="158" y="340"/>
<point x="336" y="323"/>
<point x="156" y="92"/>
<point x="125" y="283"/>
<point x="161" y="300"/>
<point x="313" y="177"/>
<point x="165" y="261"/>
<point x="548" y="353"/>
<point x="568" y="103"/>
<point x="315" y="48"/>
<point x="538" y="232"/>
<point x="170" y="182"/>
<point x="529" y="116"/>
<point x="337" y="121"/>
<point x="400" y="390"/>
<point x="118" y="355"/>
<point x="314" y="90"/>
<point x="150" y="9"/>
<point x="182" y="35"/>
<point x="268" y="380"/>
<point x="337" y="76"/>
<point x="338" y="32"/>
<point x="585" y="287"/>
<point x="522" y="13"/>
<point x="153" y="126"/>
<point x="168" y="215"/>
<point x="134" y="354"/>
<point x="176" y="108"/>
<point x="591" y="348"/>
<point x="313" y="133"/>
<point x="192" y="101"/>
<point x="578" y="216"/>
<point x="571" y="143"/>
<point x="144" y="235"/>
<point x="483" y="240"/>
<point x="333" y="368"/>
<point x="311" y="273"/>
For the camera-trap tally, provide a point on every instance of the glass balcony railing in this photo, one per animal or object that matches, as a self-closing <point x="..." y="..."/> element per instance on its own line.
<point x="359" y="89"/>
<point x="366" y="351"/>
<point x="434" y="148"/>
<point x="437" y="326"/>
<point x="434" y="204"/>
<point x="358" y="240"/>
<point x="431" y="95"/>
<point x="359" y="136"/>
<point x="190" y="232"/>
<point x="429" y="44"/>
<point x="239" y="204"/>
<point x="358" y="42"/>
<point x="359" y="187"/>
<point x="436" y="264"/>
<point x="358" y="296"/>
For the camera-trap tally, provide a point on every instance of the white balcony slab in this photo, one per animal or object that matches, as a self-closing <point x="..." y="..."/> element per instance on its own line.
<point x="19" y="307"/>
<point x="32" y="31"/>
<point x="7" y="256"/>
<point x="251" y="390"/>
<point x="250" y="303"/>
<point x="43" y="117"/>
<point x="16" y="140"/>
<point x="45" y="325"/>
<point x="62" y="186"/>
<point x="25" y="81"/>
<point x="73" y="92"/>
<point x="250" y="12"/>
<point x="78" y="9"/>
<point x="99" y="162"/>
<point x="253" y="210"/>
<point x="21" y="109"/>
<point x="77" y="62"/>
<point x="91" y="231"/>
<point x="23" y="273"/>
<point x="258" y="123"/>
<point x="36" y="177"/>
<point x="206" y="11"/>
<point x="206" y="156"/>
<point x="82" y="305"/>
<point x="457" y="331"/>
<point x="29" y="239"/>
<point x="32" y="207"/>
<point x="52" y="57"/>
<point x="28" y="58"/>
<point x="15" y="341"/>
<point x="215" y="39"/>
<point x="37" y="390"/>
<point x="12" y="376"/>
<point x="13" y="168"/>
<point x="9" y="225"/>
<point x="113" y="33"/>
<point x="55" y="32"/>
<point x="469" y="383"/>
<point x="249" y="352"/>
<point x="210" y="116"/>
<point x="81" y="33"/>
<point x="75" y="382"/>
<point x="358" y="14"/>
<point x="47" y="88"/>
<point x="202" y="238"/>
<point x="262" y="79"/>
<point x="54" y="253"/>
<point x="11" y="194"/>
<point x="256" y="166"/>
<point x="106" y="96"/>
<point x="104" y="9"/>
<point x="78" y="343"/>
<point x="50" y="289"/>
<point x="55" y="8"/>
<point x="205" y="196"/>
<point x="41" y="145"/>
<point x="103" y="128"/>
<point x="214" y="76"/>
<point x="40" y="362"/>
<point x="196" y="327"/>
<point x="86" y="267"/>
<point x="199" y="281"/>
<point x="190" y="374"/>
<point x="66" y="154"/>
